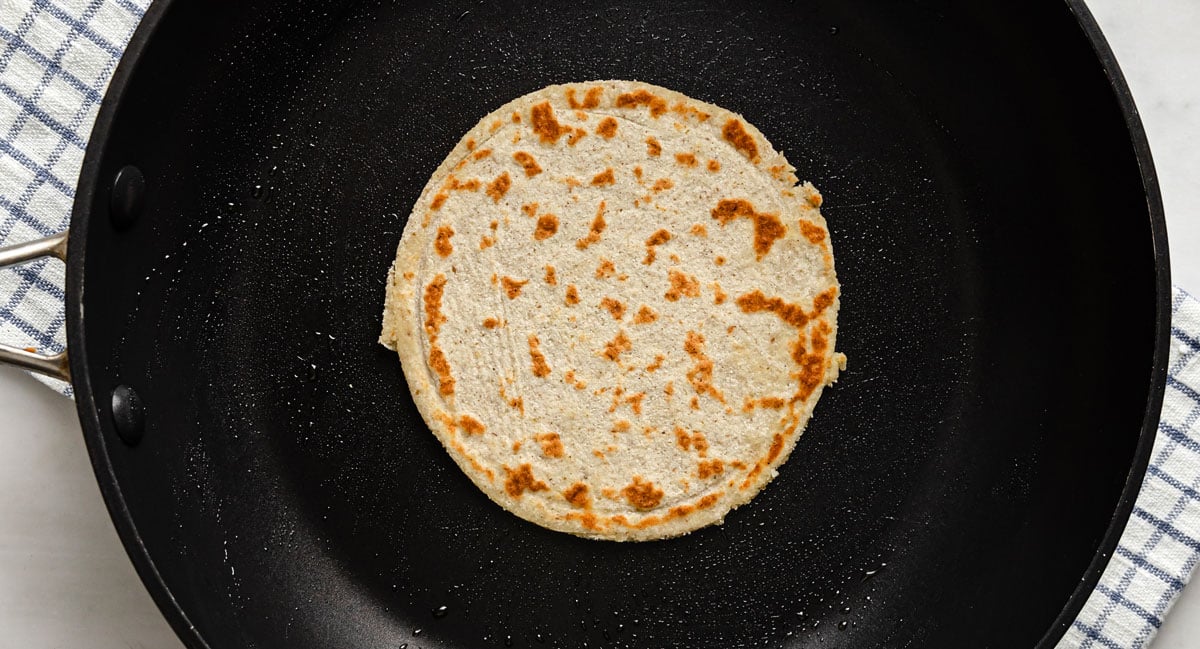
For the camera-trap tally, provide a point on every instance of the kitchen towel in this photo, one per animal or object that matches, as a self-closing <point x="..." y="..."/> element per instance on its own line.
<point x="56" y="59"/>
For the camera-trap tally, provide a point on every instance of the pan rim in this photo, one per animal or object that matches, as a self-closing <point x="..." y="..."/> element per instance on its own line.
<point x="89" y="411"/>
<point x="1162" y="320"/>
<point x="85" y="398"/>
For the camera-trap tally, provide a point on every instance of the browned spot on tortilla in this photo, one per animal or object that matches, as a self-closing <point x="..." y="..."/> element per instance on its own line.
<point x="529" y="209"/>
<point x="653" y="148"/>
<point x="755" y="302"/>
<point x="516" y="446"/>
<point x="433" y="305"/>
<point x="682" y="439"/>
<point x="643" y="98"/>
<point x="618" y="345"/>
<point x="605" y="269"/>
<point x="499" y="187"/>
<point x="772" y="453"/>
<point x="699" y="230"/>
<point x="669" y="389"/>
<point x="575" y="136"/>
<point x="569" y="379"/>
<point x="471" y="185"/>
<point x="587" y="519"/>
<point x="516" y="117"/>
<point x="598" y="225"/>
<point x="714" y="166"/>
<point x="824" y="299"/>
<point x="471" y="425"/>
<point x="442" y="242"/>
<point x="547" y="128"/>
<point x="735" y="133"/>
<point x="481" y="154"/>
<point x="604" y="178"/>
<point x="572" y="295"/>
<point x="540" y="368"/>
<point x="577" y="495"/>
<point x="408" y="274"/>
<point x="635" y="402"/>
<point x="686" y="159"/>
<point x="710" y="468"/>
<point x="718" y="295"/>
<point x="551" y="276"/>
<point x="662" y="184"/>
<point x="512" y="287"/>
<point x="620" y="426"/>
<point x="812" y="366"/>
<point x="520" y="480"/>
<point x="607" y="128"/>
<point x="441" y="367"/>
<point x="547" y="225"/>
<point x="615" y="308"/>
<point x="637" y="173"/>
<point x="551" y="444"/>
<point x="491" y="323"/>
<point x="814" y="198"/>
<point x="591" y="98"/>
<point x="645" y="315"/>
<point x="657" y="239"/>
<point x="687" y="110"/>
<point x="616" y="398"/>
<point x="701" y="374"/>
<point x="470" y="144"/>
<point x="642" y="493"/>
<point x="528" y="163"/>
<point x="657" y="364"/>
<point x="517" y="403"/>
<point x="720" y="261"/>
<point x="811" y="231"/>
<point x="438" y="201"/>
<point x="767" y="226"/>
<point x="486" y="242"/>
<point x="681" y="286"/>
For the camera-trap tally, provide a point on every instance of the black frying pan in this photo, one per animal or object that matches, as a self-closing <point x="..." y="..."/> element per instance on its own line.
<point x="999" y="238"/>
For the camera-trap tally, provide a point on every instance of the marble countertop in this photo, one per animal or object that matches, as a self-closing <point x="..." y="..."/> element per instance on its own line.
<point x="65" y="580"/>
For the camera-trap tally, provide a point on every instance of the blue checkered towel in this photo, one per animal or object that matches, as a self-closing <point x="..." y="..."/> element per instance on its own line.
<point x="56" y="61"/>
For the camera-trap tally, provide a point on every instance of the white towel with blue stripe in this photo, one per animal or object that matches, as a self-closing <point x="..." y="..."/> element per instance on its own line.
<point x="55" y="62"/>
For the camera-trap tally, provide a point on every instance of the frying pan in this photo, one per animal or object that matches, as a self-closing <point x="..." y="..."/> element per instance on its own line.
<point x="999" y="238"/>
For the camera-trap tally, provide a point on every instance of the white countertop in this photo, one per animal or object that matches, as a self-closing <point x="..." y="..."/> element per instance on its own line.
<point x="65" y="580"/>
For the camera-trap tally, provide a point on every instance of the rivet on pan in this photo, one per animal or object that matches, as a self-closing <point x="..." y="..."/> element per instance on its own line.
<point x="128" y="414"/>
<point x="128" y="192"/>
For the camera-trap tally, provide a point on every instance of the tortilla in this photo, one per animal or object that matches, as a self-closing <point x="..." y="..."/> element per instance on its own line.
<point x="616" y="308"/>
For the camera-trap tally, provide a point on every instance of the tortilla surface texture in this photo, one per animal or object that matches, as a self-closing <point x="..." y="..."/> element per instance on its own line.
<point x="616" y="308"/>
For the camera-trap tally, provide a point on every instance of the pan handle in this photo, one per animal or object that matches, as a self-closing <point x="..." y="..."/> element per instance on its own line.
<point x="52" y="246"/>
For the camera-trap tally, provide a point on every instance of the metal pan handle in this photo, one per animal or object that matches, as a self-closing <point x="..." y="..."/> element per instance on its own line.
<point x="52" y="246"/>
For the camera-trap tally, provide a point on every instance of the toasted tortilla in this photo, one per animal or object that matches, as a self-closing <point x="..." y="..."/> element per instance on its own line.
<point x="616" y="308"/>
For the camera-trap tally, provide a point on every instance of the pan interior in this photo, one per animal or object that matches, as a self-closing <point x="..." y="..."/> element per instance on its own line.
<point x="993" y="245"/>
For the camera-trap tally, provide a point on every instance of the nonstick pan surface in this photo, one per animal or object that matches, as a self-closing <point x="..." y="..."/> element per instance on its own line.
<point x="998" y="235"/>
